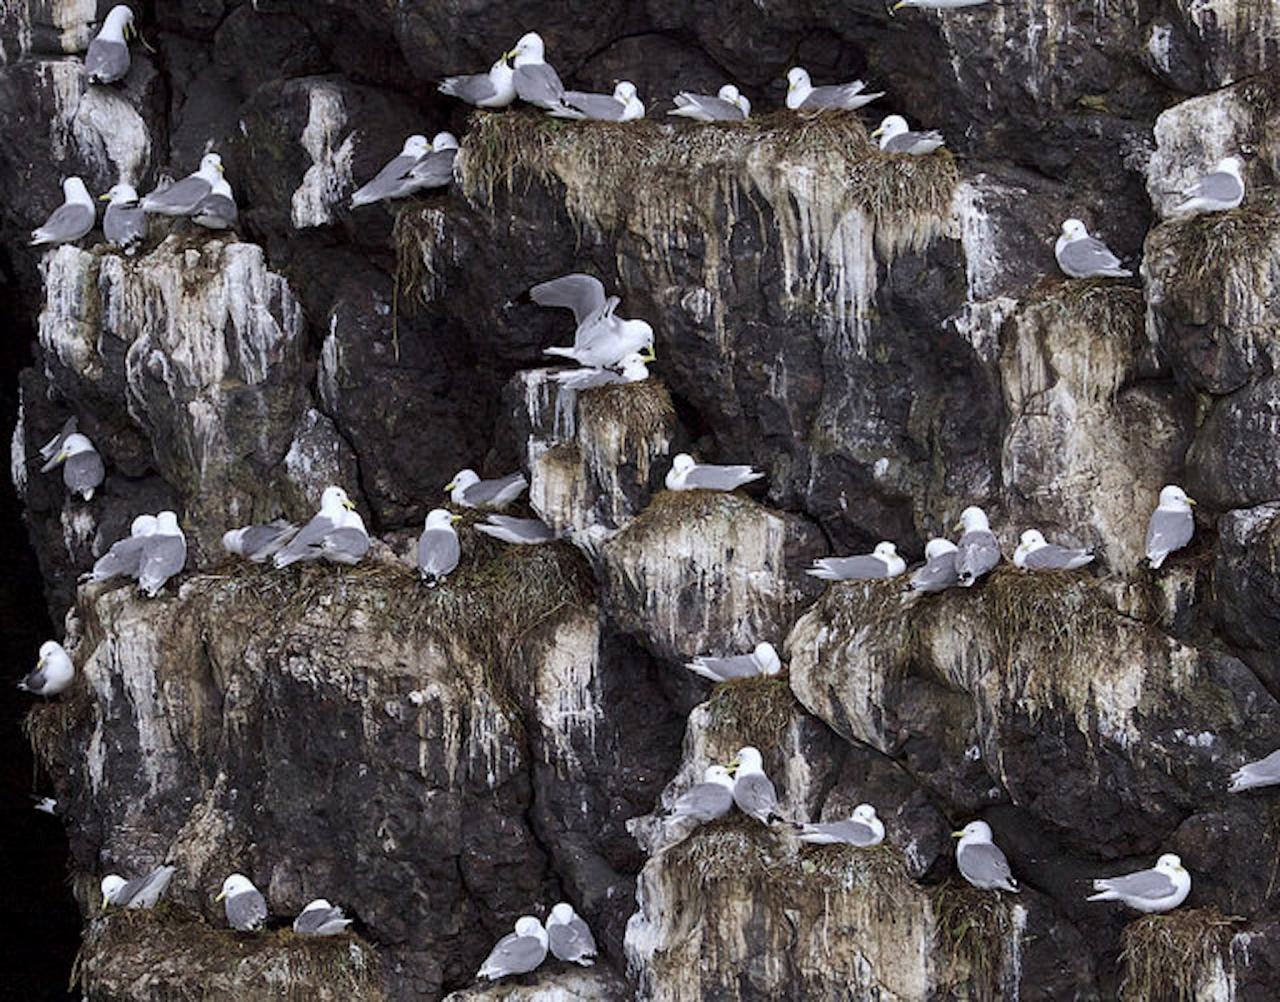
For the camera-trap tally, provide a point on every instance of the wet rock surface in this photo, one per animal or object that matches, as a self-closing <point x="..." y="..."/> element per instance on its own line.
<point x="886" y="338"/>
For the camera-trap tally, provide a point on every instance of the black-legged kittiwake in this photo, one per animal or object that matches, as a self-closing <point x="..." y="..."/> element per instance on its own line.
<point x="164" y="554"/>
<point x="319" y="918"/>
<point x="52" y="447"/>
<point x="535" y="81"/>
<point x="217" y="210"/>
<point x="623" y="105"/>
<point x="124" y="224"/>
<point x="763" y="660"/>
<point x="469" y="491"/>
<point x="882" y="562"/>
<point x="138" y="893"/>
<point x="183" y="197"/>
<point x="1082" y="256"/>
<point x="862" y="829"/>
<point x="753" y="791"/>
<point x="1171" y="525"/>
<point x="802" y="95"/>
<point x="53" y="673"/>
<point x="569" y="937"/>
<point x="521" y="531"/>
<point x="69" y="221"/>
<point x="1217" y="191"/>
<point x="108" y="57"/>
<point x="125" y="554"/>
<point x="896" y="137"/>
<point x="337" y="518"/>
<point x="705" y="801"/>
<point x="516" y="953"/>
<point x="632" y="368"/>
<point x="82" y="467"/>
<point x="686" y="475"/>
<point x="1034" y="553"/>
<point x="939" y="571"/>
<point x="978" y="551"/>
<point x="1160" y="889"/>
<point x="495" y="89"/>
<point x="602" y="338"/>
<point x="728" y="105"/>
<point x="435" y="170"/>
<point x="980" y="860"/>
<point x="438" y="548"/>
<point x="259" y="543"/>
<point x="245" y="907"/>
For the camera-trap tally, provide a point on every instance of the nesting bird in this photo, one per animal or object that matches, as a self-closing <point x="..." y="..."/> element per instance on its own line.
<point x="1082" y="256"/>
<point x="896" y="137"/>
<point x="82" y="467"/>
<point x="632" y="368"/>
<point x="536" y="82"/>
<point x="164" y="554"/>
<point x="1160" y="889"/>
<point x="623" y="105"/>
<point x="69" y="221"/>
<point x="882" y="562"/>
<point x="183" y="198"/>
<point x="520" y="531"/>
<point x="495" y="89"/>
<point x="108" y="57"/>
<point x="259" y="543"/>
<point x="978" y="551"/>
<point x="705" y="801"/>
<point x="518" y="952"/>
<point x="53" y="673"/>
<point x="939" y="571"/>
<point x="1171" y="525"/>
<point x="686" y="475"/>
<point x="802" y="95"/>
<point x="862" y="829"/>
<point x="319" y="918"/>
<point x="1035" y="553"/>
<point x="438" y="548"/>
<point x="728" y="105"/>
<point x="336" y="533"/>
<point x="753" y="791"/>
<point x="124" y="224"/>
<point x="217" y="210"/>
<point x="245" y="907"/>
<point x="763" y="660"/>
<point x="139" y="893"/>
<point x="602" y="338"/>
<point x="980" y="860"/>
<point x="469" y="491"/>
<point x="1218" y="191"/>
<point x="569" y="937"/>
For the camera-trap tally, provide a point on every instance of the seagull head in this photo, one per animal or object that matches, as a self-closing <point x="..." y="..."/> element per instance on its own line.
<point x="893" y="125"/>
<point x="885" y="550"/>
<point x="748" y="760"/>
<point x="317" y="903"/>
<point x="73" y="190"/>
<point x="48" y="649"/>
<point x="167" y="523"/>
<point x="798" y="77"/>
<point x="937" y="547"/>
<point x="530" y="49"/>
<point x="1073" y="229"/>
<point x="561" y="914"/>
<point x="683" y="463"/>
<point x="1032" y="539"/>
<point x="416" y="146"/>
<point x="121" y="193"/>
<point x="634" y="367"/>
<point x="116" y="25"/>
<point x="1169" y="863"/>
<point x="1230" y="165"/>
<point x="111" y="885"/>
<point x="235" y="884"/>
<point x="719" y="775"/>
<point x="624" y="91"/>
<point x="444" y="141"/>
<point x="1174" y="497"/>
<point x="974" y="831"/>
<point x="729" y="93"/>
<point x="767" y="658"/>
<point x="143" y="525"/>
<point x="333" y="498"/>
<point x="462" y="480"/>
<point x="527" y="925"/>
<point x="441" y="518"/>
<point x="973" y="519"/>
<point x="864" y="813"/>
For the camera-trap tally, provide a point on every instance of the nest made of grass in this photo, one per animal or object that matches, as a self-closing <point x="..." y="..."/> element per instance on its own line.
<point x="972" y="929"/>
<point x="1166" y="957"/>
<point x="1203" y="248"/>
<point x="752" y="711"/>
<point x="49" y="722"/>
<point x="669" y="510"/>
<point x="643" y="409"/>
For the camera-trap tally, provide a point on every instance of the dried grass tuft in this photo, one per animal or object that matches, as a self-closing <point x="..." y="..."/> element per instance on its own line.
<point x="1165" y="957"/>
<point x="752" y="711"/>
<point x="973" y="927"/>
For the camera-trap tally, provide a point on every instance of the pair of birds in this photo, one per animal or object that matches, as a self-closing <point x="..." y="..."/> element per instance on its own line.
<point x="246" y="910"/>
<point x="1080" y="255"/>
<point x="1160" y="889"/>
<point x="153" y="552"/>
<point x="743" y="783"/>
<point x="82" y="468"/>
<point x="204" y="197"/>
<point x="602" y="341"/>
<point x="566" y="936"/>
<point x="419" y="166"/>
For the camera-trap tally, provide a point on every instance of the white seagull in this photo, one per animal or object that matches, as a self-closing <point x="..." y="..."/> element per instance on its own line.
<point x="939" y="571"/>
<point x="978" y="551"/>
<point x="1215" y="192"/>
<point x="495" y="89"/>
<point x="602" y="339"/>
<point x="728" y="105"/>
<point x="980" y="860"/>
<point x="516" y="953"/>
<point x="69" y="221"/>
<point x="53" y="672"/>
<point x="686" y="475"/>
<point x="896" y="137"/>
<point x="1159" y="889"/>
<point x="802" y="95"/>
<point x="882" y="562"/>
<point x="1171" y="525"/>
<point x="763" y="660"/>
<point x="1082" y="256"/>
<point x="1035" y="553"/>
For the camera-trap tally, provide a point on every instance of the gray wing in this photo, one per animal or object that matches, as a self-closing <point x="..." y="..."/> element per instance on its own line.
<point x="124" y="226"/>
<point x="390" y="182"/>
<point x="144" y="892"/>
<point x="523" y="531"/>
<point x="162" y="558"/>
<point x="497" y="492"/>
<point x="217" y="212"/>
<point x="312" y="922"/>
<point x="258" y="542"/>
<point x="937" y="574"/>
<point x="976" y="553"/>
<point x="180" y="199"/>
<point x="68" y="222"/>
<point x="704" y="802"/>
<point x="598" y="107"/>
<point x="707" y="108"/>
<point x="755" y="795"/>
<point x="1087" y="257"/>
<point x="1264" y="772"/>
<point x="984" y="865"/>
<point x="123" y="558"/>
<point x="345" y="545"/>
<point x="587" y="379"/>
<point x="723" y="669"/>
<point x="720" y="478"/>
<point x="1056" y="558"/>
<point x="106" y="61"/>
<point x="847" y="832"/>
<point x="863" y="568"/>
<point x="1168" y="531"/>
<point x="435" y="170"/>
<point x="914" y="142"/>
<point x="52" y="447"/>
<point x="1150" y="884"/>
<point x="306" y="544"/>
<point x="539" y="84"/>
<point x="83" y="473"/>
<point x="438" y="552"/>
<point x="572" y="942"/>
<point x="513" y="955"/>
<point x="1218" y="186"/>
<point x="473" y="89"/>
<point x="34" y="681"/>
<point x="582" y="294"/>
<point x="847" y="96"/>
<point x="246" y="911"/>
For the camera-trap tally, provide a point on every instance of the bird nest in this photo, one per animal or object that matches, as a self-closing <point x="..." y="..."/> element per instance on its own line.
<point x="669" y="509"/>
<point x="1205" y="252"/>
<point x="1167" y="957"/>
<point x="48" y="723"/>
<point x="641" y="409"/>
<point x="973" y="928"/>
<point x="752" y="711"/>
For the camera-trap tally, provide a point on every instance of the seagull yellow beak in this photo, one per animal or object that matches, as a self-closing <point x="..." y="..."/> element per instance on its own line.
<point x="105" y="902"/>
<point x="451" y="485"/>
<point x="105" y="198"/>
<point x="879" y="132"/>
<point x="957" y="527"/>
<point x="1191" y="501"/>
<point x="221" y="169"/>
<point x="953" y="834"/>
<point x="221" y="895"/>
<point x="650" y="355"/>
<point x="900" y="3"/>
<point x="349" y="504"/>
<point x="455" y="518"/>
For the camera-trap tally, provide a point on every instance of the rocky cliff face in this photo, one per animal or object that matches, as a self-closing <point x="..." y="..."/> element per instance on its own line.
<point x="886" y="337"/>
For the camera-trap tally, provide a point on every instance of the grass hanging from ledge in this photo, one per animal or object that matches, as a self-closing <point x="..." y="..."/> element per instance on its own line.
<point x="1166" y="957"/>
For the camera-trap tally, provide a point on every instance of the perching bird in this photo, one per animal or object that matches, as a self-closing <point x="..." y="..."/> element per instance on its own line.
<point x="1159" y="889"/>
<point x="52" y="447"/>
<point x="164" y="554"/>
<point x="978" y="551"/>
<point x="82" y="469"/>
<point x="335" y="514"/>
<point x="1082" y="256"/>
<point x="217" y="210"/>
<point x="980" y="860"/>
<point x="1216" y="192"/>
<point x="601" y="339"/>
<point x="862" y="829"/>
<point x="140" y="892"/>
<point x="633" y="368"/>
<point x="320" y="918"/>
<point x="69" y="221"/>
<point x="535" y="81"/>
<point x="125" y="554"/>
<point x="802" y="95"/>
<point x="936" y="4"/>
<point x="753" y="791"/>
<point x="1035" y="554"/>
<point x="569" y="937"/>
<point x="495" y="89"/>
<point x="896" y="137"/>
<point x="1171" y="525"/>
<point x="623" y="105"/>
<point x="728" y="105"/>
<point x="259" y="543"/>
<point x="45" y="805"/>
<point x="882" y="562"/>
<point x="435" y="170"/>
<point x="705" y="801"/>
<point x="53" y="672"/>
<point x="763" y="660"/>
<point x="1264" y="772"/>
<point x="469" y="491"/>
<point x="939" y="571"/>
<point x="183" y="197"/>
<point x="108" y="57"/>
<point x="521" y="531"/>
<point x="245" y="907"/>
<point x="686" y="475"/>
<point x="124" y="224"/>
<point x="419" y="165"/>
<point x="518" y="952"/>
<point x="438" y="549"/>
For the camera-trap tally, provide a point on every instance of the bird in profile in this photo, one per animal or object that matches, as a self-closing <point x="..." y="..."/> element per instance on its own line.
<point x="164" y="554"/>
<point x="802" y="95"/>
<point x="1171" y="525"/>
<point x="418" y="166"/>
<point x="686" y="475"/>
<point x="978" y="551"/>
<point x="107" y="60"/>
<point x="728" y="105"/>
<point x="217" y="210"/>
<point x="438" y="548"/>
<point x="753" y="791"/>
<point x="520" y="531"/>
<point x="245" y="907"/>
<point x="184" y="197"/>
<point x="896" y="137"/>
<point x="980" y="860"/>
<point x="623" y="105"/>
<point x="602" y="338"/>
<point x="336" y="533"/>
<point x="763" y="660"/>
<point x="1217" y="191"/>
<point x="69" y="221"/>
<point x="319" y="918"/>
<point x="1160" y="889"/>
<point x="862" y="829"/>
<point x="469" y="491"/>
<point x="939" y="571"/>
<point x="705" y="801"/>
<point x="1035" y="553"/>
<point x="259" y="543"/>
<point x="882" y="562"/>
<point x="53" y="673"/>
<point x="82" y="467"/>
<point x="1082" y="256"/>
<point x="124" y="224"/>
<point x="518" y="952"/>
<point x="125" y="554"/>
<point x="139" y="893"/>
<point x="569" y="937"/>
<point x="495" y="89"/>
<point x="536" y="82"/>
